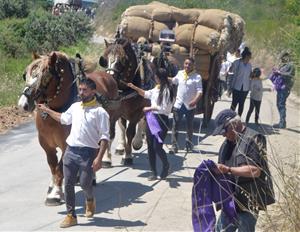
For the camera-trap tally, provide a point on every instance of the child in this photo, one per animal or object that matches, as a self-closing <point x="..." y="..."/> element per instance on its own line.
<point x="256" y="94"/>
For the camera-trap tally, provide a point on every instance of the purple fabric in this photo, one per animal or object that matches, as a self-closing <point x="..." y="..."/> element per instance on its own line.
<point x="153" y="125"/>
<point x="277" y="81"/>
<point x="208" y="188"/>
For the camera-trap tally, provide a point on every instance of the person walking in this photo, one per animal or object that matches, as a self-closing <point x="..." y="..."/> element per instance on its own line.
<point x="161" y="105"/>
<point x="189" y="92"/>
<point x="86" y="144"/>
<point x="240" y="80"/>
<point x="256" y="94"/>
<point x="243" y="157"/>
<point x="283" y="81"/>
<point x="222" y="78"/>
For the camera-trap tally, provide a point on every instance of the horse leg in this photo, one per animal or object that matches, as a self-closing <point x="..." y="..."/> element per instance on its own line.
<point x="106" y="161"/>
<point x="130" y="132"/>
<point x="137" y="141"/>
<point x="122" y="140"/>
<point x="55" y="193"/>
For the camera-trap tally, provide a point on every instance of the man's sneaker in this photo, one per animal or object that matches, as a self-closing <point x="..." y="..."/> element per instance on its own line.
<point x="280" y="125"/>
<point x="69" y="221"/>
<point x="90" y="207"/>
<point x="173" y="150"/>
<point x="152" y="177"/>
<point x="189" y="146"/>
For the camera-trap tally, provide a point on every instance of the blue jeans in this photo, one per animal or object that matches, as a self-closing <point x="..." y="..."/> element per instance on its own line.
<point x="246" y="222"/>
<point x="282" y="95"/>
<point x="177" y="117"/>
<point x="75" y="160"/>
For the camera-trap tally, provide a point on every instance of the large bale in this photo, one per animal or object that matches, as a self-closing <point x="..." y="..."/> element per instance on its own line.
<point x="136" y="27"/>
<point x="203" y="37"/>
<point x="153" y="11"/>
<point x="186" y="16"/>
<point x="143" y="11"/>
<point x="202" y="63"/>
<point x="213" y="18"/>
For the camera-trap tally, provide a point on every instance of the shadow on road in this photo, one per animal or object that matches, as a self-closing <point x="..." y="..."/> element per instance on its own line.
<point x="109" y="196"/>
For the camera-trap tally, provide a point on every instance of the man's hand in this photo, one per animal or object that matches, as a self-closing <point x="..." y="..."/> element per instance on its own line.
<point x="42" y="107"/>
<point x="222" y="169"/>
<point x="97" y="164"/>
<point x="192" y="103"/>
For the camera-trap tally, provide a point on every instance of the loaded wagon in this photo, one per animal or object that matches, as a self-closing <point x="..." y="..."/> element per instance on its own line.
<point x="203" y="34"/>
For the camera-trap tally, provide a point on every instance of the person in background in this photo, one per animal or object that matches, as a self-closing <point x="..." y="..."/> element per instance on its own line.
<point x="240" y="80"/>
<point x="189" y="92"/>
<point x="161" y="105"/>
<point x="87" y="142"/>
<point x="222" y="78"/>
<point x="256" y="93"/>
<point x="283" y="80"/>
<point x="242" y="156"/>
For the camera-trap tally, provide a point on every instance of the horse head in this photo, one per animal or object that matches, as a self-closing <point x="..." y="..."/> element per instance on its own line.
<point x="120" y="60"/>
<point x="44" y="78"/>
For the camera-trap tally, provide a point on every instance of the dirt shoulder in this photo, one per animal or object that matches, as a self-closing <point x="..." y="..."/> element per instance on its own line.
<point x="12" y="116"/>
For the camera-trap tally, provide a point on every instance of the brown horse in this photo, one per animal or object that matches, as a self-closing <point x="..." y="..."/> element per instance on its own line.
<point x="49" y="79"/>
<point x="120" y="60"/>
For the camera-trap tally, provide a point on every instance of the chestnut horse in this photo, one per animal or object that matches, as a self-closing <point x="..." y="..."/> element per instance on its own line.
<point x="49" y="79"/>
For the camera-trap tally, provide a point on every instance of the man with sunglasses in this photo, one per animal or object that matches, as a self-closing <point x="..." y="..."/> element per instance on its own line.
<point x="242" y="156"/>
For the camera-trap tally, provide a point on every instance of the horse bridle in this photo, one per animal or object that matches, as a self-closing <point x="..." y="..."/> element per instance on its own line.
<point x="52" y="72"/>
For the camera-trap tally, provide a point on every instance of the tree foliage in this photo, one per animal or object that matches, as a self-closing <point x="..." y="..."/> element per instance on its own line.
<point x="14" y="8"/>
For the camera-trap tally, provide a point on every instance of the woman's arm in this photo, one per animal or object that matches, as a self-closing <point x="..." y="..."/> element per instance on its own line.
<point x="137" y="89"/>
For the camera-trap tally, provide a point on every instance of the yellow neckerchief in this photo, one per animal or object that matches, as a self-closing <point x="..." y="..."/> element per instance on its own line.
<point x="157" y="86"/>
<point x="90" y="103"/>
<point x="187" y="75"/>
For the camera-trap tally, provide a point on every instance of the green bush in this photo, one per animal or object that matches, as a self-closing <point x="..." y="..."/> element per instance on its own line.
<point x="45" y="32"/>
<point x="14" y="8"/>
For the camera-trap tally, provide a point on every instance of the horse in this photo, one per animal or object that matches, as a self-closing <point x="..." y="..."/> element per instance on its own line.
<point x="121" y="61"/>
<point x="50" y="80"/>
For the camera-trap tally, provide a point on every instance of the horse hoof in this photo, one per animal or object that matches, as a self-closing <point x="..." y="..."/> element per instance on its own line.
<point x="137" y="146"/>
<point x="127" y="161"/>
<point x="53" y="202"/>
<point x="119" y="152"/>
<point x="106" y="164"/>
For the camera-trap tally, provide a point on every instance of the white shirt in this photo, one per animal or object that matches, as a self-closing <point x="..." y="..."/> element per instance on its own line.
<point x="256" y="89"/>
<point x="89" y="125"/>
<point x="241" y="75"/>
<point x="224" y="70"/>
<point x="187" y="89"/>
<point x="166" y="105"/>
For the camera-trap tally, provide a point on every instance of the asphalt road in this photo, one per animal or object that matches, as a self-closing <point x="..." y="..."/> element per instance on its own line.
<point x="126" y="200"/>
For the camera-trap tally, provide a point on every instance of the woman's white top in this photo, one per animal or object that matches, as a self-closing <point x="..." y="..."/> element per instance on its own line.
<point x="166" y="105"/>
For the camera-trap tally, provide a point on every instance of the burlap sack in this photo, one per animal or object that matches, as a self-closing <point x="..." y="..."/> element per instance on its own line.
<point x="143" y="11"/>
<point x="186" y="16"/>
<point x="136" y="27"/>
<point x="213" y="18"/>
<point x="204" y="38"/>
<point x="202" y="62"/>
